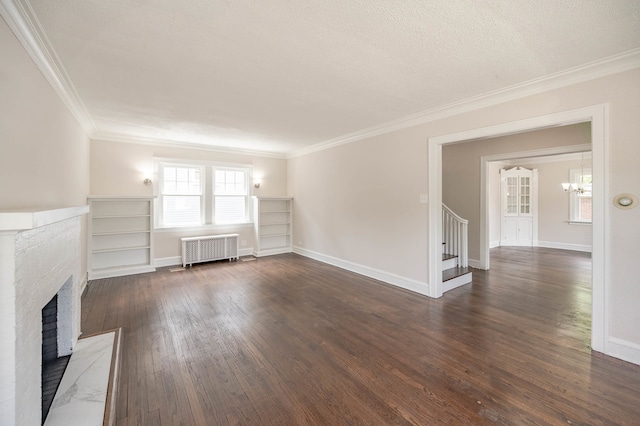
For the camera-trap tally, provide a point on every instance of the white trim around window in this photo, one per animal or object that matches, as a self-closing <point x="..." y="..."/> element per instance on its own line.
<point x="187" y="194"/>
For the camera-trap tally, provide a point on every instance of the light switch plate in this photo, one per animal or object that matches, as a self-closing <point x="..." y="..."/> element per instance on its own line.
<point x="424" y="199"/>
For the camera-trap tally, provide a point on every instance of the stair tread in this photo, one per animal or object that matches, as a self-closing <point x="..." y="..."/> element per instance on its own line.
<point x="449" y="274"/>
<point x="446" y="256"/>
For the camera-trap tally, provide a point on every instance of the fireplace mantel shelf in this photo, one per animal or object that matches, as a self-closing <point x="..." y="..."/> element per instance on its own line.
<point x="17" y="220"/>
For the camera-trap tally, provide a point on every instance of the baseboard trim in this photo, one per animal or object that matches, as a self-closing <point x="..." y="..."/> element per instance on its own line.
<point x="245" y="252"/>
<point x="564" y="246"/>
<point x="386" y="277"/>
<point x="474" y="263"/>
<point x="624" y="350"/>
<point x="494" y="244"/>
<point x="167" y="261"/>
<point x="83" y="284"/>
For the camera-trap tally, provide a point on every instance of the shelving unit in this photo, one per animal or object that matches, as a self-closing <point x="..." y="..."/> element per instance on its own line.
<point x="120" y="236"/>
<point x="272" y="225"/>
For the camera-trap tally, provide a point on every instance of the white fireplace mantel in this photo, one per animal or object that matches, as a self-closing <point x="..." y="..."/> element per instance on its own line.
<point x="40" y="256"/>
<point x="24" y="219"/>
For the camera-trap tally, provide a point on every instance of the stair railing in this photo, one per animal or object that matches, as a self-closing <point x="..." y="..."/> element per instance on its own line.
<point x="455" y="235"/>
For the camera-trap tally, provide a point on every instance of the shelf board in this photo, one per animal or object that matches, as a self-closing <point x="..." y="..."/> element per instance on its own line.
<point x="97" y="234"/>
<point x="116" y="216"/>
<point x="111" y="250"/>
<point x="275" y="235"/>
<point x="275" y="211"/>
<point x="118" y="271"/>
<point x="275" y="223"/>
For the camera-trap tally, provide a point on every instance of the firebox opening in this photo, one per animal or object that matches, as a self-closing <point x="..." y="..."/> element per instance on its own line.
<point x="53" y="366"/>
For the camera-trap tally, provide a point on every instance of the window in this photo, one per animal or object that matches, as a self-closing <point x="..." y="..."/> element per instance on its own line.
<point x="581" y="204"/>
<point x="230" y="196"/>
<point x="194" y="194"/>
<point x="181" y="194"/>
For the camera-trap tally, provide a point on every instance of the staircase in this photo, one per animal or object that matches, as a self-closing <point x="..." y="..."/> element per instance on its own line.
<point x="455" y="257"/>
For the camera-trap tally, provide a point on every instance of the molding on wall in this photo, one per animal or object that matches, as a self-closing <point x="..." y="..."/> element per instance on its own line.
<point x="590" y="71"/>
<point x="245" y="252"/>
<point x="564" y="246"/>
<point x="494" y="244"/>
<point x="83" y="284"/>
<point x="576" y="156"/>
<point x="624" y="350"/>
<point x="160" y="262"/>
<point x="25" y="25"/>
<point x="117" y="137"/>
<point x="475" y="263"/>
<point x="386" y="277"/>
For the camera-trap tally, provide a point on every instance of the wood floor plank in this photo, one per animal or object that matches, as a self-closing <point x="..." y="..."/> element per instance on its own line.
<point x="288" y="340"/>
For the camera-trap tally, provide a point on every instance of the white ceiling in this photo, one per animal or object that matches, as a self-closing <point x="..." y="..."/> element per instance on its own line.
<point x="281" y="75"/>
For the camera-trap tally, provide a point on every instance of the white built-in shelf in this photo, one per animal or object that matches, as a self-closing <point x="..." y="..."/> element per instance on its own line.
<point x="120" y="236"/>
<point x="272" y="223"/>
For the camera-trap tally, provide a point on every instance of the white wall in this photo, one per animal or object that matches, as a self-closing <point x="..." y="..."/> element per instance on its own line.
<point x="360" y="202"/>
<point x="44" y="152"/>
<point x="117" y="168"/>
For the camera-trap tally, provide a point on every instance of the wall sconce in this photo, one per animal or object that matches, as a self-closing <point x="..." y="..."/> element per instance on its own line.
<point x="147" y="178"/>
<point x="257" y="182"/>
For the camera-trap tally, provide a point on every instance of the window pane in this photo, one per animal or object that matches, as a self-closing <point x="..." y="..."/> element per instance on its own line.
<point x="585" y="206"/>
<point x="181" y="180"/>
<point x="180" y="210"/>
<point x="230" y="209"/>
<point x="230" y="182"/>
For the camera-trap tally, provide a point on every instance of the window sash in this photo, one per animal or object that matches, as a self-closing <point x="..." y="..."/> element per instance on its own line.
<point x="181" y="195"/>
<point x="230" y="195"/>
<point x="181" y="180"/>
<point x="181" y="210"/>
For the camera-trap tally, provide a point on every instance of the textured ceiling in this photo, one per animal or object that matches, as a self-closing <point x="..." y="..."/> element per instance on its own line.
<point x="279" y="75"/>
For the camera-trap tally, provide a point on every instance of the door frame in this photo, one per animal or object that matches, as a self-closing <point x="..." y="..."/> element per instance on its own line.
<point x="598" y="116"/>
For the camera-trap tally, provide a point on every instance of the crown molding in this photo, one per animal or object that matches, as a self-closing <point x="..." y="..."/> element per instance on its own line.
<point x="557" y="158"/>
<point x="123" y="138"/>
<point x="590" y="71"/>
<point x="25" y="25"/>
<point x="22" y="20"/>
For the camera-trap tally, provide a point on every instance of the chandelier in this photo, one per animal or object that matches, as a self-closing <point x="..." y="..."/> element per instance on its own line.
<point x="581" y="187"/>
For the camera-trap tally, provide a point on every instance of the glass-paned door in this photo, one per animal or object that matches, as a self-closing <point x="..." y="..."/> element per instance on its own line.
<point x="525" y="195"/>
<point x="512" y="196"/>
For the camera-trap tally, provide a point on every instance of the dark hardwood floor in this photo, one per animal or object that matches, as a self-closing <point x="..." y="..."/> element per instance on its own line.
<point x="285" y="340"/>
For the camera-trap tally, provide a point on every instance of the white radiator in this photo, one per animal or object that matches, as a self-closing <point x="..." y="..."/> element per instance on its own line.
<point x="208" y="248"/>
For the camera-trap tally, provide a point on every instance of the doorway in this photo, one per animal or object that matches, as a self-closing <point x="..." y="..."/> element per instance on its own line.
<point x="598" y="117"/>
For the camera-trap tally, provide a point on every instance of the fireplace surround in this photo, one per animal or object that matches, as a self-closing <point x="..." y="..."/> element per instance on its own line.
<point x="40" y="256"/>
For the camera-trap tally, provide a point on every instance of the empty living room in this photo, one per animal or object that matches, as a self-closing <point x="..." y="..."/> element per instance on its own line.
<point x="319" y="213"/>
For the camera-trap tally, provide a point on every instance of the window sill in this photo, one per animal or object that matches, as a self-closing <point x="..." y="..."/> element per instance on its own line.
<point x="209" y="227"/>
<point x="578" y="222"/>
